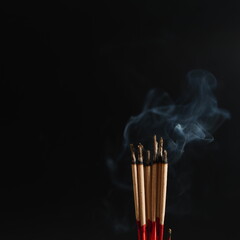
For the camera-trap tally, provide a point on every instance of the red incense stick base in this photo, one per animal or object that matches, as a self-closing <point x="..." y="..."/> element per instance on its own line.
<point x="144" y="232"/>
<point x="149" y="229"/>
<point x="161" y="232"/>
<point x="154" y="231"/>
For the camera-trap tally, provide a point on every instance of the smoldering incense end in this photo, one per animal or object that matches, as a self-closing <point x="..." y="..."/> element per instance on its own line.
<point x="132" y="153"/>
<point x="148" y="158"/>
<point x="161" y="147"/>
<point x="165" y="157"/>
<point x="140" y="153"/>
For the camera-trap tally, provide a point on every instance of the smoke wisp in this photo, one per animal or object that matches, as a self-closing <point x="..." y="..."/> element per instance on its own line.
<point x="195" y="116"/>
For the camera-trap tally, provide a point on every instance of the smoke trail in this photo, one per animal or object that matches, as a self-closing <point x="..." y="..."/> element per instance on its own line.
<point x="195" y="116"/>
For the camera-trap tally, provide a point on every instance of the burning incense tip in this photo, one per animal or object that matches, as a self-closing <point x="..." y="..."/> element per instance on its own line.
<point x="132" y="153"/>
<point x="140" y="152"/>
<point x="155" y="144"/>
<point x="155" y="138"/>
<point x="161" y="147"/>
<point x="155" y="148"/>
<point x="165" y="158"/>
<point x="132" y="148"/>
<point x="148" y="159"/>
<point x="140" y="146"/>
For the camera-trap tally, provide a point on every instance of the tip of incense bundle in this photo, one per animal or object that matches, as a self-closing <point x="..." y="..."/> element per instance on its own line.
<point x="140" y="152"/>
<point x="155" y="147"/>
<point x="148" y="159"/>
<point x="155" y="138"/>
<point x="165" y="159"/>
<point x="132" y="153"/>
<point x="140" y="146"/>
<point x="161" y="141"/>
<point x="161" y="147"/>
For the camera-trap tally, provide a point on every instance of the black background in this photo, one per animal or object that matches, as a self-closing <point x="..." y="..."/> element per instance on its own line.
<point x="71" y="77"/>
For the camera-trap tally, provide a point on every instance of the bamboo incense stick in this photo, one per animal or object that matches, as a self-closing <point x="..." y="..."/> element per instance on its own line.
<point x="154" y="189"/>
<point x="163" y="189"/>
<point x="147" y="179"/>
<point x="135" y="188"/>
<point x="159" y="169"/>
<point x="141" y="192"/>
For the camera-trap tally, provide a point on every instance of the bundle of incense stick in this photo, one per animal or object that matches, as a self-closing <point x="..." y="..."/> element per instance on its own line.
<point x="149" y="177"/>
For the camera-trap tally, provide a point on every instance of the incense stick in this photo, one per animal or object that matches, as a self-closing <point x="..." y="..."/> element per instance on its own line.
<point x="147" y="179"/>
<point x="163" y="189"/>
<point x="141" y="191"/>
<point x="159" y="170"/>
<point x="154" y="189"/>
<point x="135" y="188"/>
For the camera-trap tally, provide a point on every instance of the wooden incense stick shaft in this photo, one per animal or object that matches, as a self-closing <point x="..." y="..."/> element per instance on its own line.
<point x="163" y="189"/>
<point x="158" y="190"/>
<point x="154" y="179"/>
<point x="147" y="179"/>
<point x="154" y="189"/>
<point x="141" y="188"/>
<point x="153" y="192"/>
<point x="135" y="190"/>
<point x="163" y="194"/>
<point x="135" y="183"/>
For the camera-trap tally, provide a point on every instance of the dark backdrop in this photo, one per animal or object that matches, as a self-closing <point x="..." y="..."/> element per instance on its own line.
<point x="72" y="74"/>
